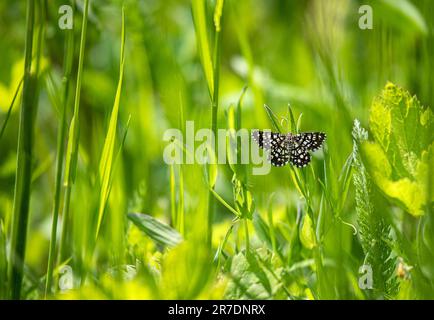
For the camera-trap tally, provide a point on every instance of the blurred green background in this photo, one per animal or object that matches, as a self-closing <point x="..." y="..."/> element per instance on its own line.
<point x="293" y="236"/>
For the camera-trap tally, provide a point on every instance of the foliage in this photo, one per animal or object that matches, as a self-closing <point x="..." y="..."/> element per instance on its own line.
<point x="398" y="159"/>
<point x="374" y="230"/>
<point x="82" y="119"/>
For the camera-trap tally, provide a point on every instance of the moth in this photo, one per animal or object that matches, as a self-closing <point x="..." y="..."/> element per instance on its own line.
<point x="289" y="147"/>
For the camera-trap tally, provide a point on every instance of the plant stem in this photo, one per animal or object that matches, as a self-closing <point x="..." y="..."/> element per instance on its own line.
<point x="73" y="139"/>
<point x="24" y="163"/>
<point x="214" y="114"/>
<point x="69" y="51"/>
<point x="8" y="114"/>
<point x="246" y="229"/>
<point x="180" y="213"/>
<point x="173" y="197"/>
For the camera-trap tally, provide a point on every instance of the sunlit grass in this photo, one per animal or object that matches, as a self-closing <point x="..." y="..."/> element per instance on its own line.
<point x="106" y="206"/>
<point x="24" y="162"/>
<point x="60" y="156"/>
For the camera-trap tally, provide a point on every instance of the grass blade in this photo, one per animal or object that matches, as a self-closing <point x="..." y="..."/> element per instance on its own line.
<point x="173" y="212"/>
<point x="198" y="8"/>
<point x="273" y="118"/>
<point x="211" y="70"/>
<point x="68" y="60"/>
<point x="73" y="135"/>
<point x="24" y="163"/>
<point x="2" y="130"/>
<point x="158" y="231"/>
<point x="106" y="163"/>
<point x="3" y="262"/>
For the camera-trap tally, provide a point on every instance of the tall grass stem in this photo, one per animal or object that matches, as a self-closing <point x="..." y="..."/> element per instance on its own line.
<point x="24" y="163"/>
<point x="73" y="137"/>
<point x="68" y="61"/>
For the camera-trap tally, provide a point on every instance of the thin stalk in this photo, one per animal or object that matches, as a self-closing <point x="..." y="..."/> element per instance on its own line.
<point x="181" y="214"/>
<point x="223" y="202"/>
<point x="301" y="184"/>
<point x="106" y="162"/>
<point x="173" y="197"/>
<point x="72" y="149"/>
<point x="68" y="58"/>
<point x="63" y="233"/>
<point x="246" y="229"/>
<point x="220" y="252"/>
<point x="214" y="113"/>
<point x="24" y="163"/>
<point x="180" y="210"/>
<point x="3" y="262"/>
<point x="272" y="232"/>
<point x="2" y="130"/>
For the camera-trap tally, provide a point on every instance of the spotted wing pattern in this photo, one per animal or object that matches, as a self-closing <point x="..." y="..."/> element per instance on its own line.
<point x="279" y="156"/>
<point x="309" y="140"/>
<point x="288" y="148"/>
<point x="300" y="157"/>
<point x="267" y="139"/>
<point x="277" y="144"/>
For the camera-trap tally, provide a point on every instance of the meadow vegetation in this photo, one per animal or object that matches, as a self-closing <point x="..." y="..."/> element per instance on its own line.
<point x="89" y="209"/>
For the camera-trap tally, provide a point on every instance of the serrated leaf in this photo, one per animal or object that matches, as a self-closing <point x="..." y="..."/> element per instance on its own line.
<point x="409" y="193"/>
<point x="398" y="158"/>
<point x="251" y="279"/>
<point x="373" y="228"/>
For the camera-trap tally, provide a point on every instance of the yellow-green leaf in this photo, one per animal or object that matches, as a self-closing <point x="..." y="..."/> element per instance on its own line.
<point x="199" y="16"/>
<point x="307" y="234"/>
<point x="399" y="157"/>
<point x="106" y="162"/>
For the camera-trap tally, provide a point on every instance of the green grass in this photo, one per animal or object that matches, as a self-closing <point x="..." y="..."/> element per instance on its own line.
<point x="211" y="69"/>
<point x="107" y="156"/>
<point x="105" y="205"/>
<point x="73" y="140"/>
<point x="65" y="102"/>
<point x="8" y="114"/>
<point x="24" y="163"/>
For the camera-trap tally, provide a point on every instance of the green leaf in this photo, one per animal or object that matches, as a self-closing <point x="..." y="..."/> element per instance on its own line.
<point x="231" y="141"/>
<point x="234" y="142"/>
<point x="262" y="230"/>
<point x="243" y="198"/>
<point x="251" y="276"/>
<point x="211" y="167"/>
<point x="273" y="118"/>
<point x="199" y="16"/>
<point x="218" y="14"/>
<point x="158" y="231"/>
<point x="107" y="156"/>
<point x="373" y="228"/>
<point x="5" y="122"/>
<point x="398" y="159"/>
<point x="291" y="120"/>
<point x="307" y="234"/>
